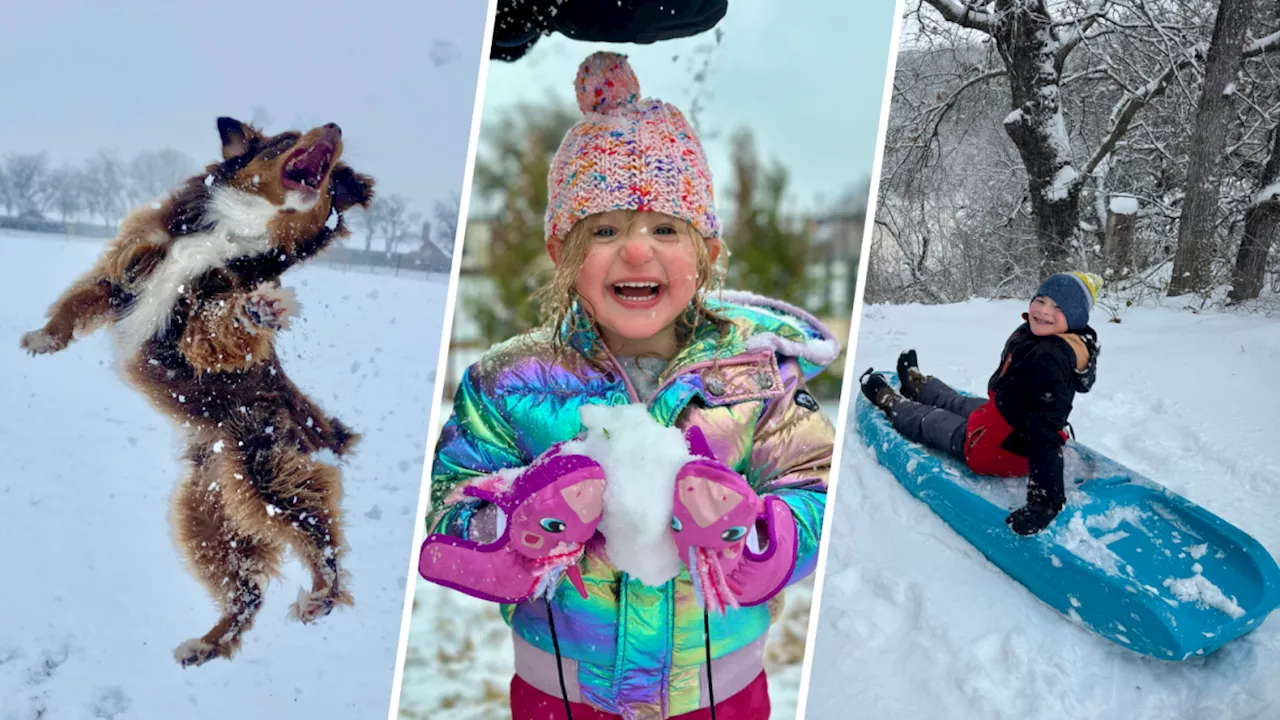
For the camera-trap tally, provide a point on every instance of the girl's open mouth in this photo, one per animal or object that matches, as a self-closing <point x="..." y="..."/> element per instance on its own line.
<point x="637" y="292"/>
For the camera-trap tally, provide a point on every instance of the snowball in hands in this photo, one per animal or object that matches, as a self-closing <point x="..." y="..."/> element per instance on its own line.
<point x="640" y="458"/>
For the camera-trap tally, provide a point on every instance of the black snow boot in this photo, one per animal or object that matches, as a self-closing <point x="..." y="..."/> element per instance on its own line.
<point x="1032" y="517"/>
<point x="878" y="390"/>
<point x="909" y="375"/>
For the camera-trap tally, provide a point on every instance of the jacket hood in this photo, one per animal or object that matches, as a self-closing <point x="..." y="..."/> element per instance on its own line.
<point x="761" y="322"/>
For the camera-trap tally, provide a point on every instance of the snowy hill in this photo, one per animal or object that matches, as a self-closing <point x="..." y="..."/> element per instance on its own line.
<point x="915" y="623"/>
<point x="96" y="598"/>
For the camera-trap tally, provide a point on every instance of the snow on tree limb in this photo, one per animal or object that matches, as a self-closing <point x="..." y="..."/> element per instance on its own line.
<point x="1071" y="36"/>
<point x="1133" y="101"/>
<point x="963" y="14"/>
<point x="1270" y="43"/>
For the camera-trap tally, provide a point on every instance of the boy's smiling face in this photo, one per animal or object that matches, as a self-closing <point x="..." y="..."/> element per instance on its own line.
<point x="1045" y="317"/>
<point x="639" y="274"/>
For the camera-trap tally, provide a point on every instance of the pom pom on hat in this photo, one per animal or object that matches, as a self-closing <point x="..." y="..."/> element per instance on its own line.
<point x="606" y="83"/>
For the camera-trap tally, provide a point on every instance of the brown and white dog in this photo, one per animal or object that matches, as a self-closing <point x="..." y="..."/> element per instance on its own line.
<point x="190" y="291"/>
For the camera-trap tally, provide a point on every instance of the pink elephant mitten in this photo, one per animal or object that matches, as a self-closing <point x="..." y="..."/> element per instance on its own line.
<point x="714" y="514"/>
<point x="551" y="509"/>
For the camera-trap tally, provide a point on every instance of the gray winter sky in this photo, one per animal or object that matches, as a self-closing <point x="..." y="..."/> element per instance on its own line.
<point x="806" y="77"/>
<point x="131" y="75"/>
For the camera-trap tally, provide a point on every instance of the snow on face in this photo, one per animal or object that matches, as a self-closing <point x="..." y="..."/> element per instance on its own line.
<point x="640" y="458"/>
<point x="639" y="274"/>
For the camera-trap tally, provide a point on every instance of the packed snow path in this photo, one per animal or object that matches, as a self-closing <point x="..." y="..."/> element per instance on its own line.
<point x="915" y="623"/>
<point x="96" y="596"/>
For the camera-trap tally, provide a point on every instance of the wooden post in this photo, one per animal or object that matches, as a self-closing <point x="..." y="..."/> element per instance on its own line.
<point x="1122" y="220"/>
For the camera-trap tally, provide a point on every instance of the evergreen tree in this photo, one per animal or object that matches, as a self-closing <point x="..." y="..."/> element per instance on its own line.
<point x="769" y="254"/>
<point x="511" y="176"/>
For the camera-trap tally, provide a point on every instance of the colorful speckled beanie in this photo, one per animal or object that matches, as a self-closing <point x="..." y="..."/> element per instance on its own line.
<point x="627" y="153"/>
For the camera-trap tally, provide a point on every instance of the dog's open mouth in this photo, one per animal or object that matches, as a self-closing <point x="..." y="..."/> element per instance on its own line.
<point x="306" y="168"/>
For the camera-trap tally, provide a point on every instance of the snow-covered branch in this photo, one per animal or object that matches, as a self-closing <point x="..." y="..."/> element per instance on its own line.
<point x="1134" y="100"/>
<point x="1262" y="46"/>
<point x="963" y="14"/>
<point x="1071" y="36"/>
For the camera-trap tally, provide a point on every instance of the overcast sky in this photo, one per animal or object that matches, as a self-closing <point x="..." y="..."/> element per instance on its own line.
<point x="806" y="76"/>
<point x="131" y="75"/>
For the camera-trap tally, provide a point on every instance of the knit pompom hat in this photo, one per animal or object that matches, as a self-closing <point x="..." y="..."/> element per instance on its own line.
<point x="1074" y="292"/>
<point x="627" y="153"/>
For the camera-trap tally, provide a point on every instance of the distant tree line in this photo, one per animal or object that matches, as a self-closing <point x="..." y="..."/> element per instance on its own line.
<point x="93" y="196"/>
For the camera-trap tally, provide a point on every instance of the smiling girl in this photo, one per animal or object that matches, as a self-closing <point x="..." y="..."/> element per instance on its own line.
<point x="633" y="319"/>
<point x="1019" y="429"/>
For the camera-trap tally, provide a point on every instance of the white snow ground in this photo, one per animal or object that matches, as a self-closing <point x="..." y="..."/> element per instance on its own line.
<point x="915" y="623"/>
<point x="94" y="596"/>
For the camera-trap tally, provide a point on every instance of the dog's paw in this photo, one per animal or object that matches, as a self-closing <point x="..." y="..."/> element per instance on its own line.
<point x="343" y="439"/>
<point x="40" y="342"/>
<point x="312" y="606"/>
<point x="271" y="307"/>
<point x="196" y="652"/>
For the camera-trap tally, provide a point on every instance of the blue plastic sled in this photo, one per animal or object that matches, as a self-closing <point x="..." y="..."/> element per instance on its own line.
<point x="1127" y="558"/>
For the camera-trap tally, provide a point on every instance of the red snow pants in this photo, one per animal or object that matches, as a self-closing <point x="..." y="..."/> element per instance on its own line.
<point x="529" y="703"/>
<point x="985" y="431"/>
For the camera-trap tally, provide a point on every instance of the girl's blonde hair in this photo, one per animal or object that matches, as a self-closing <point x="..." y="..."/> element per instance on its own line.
<point x="557" y="297"/>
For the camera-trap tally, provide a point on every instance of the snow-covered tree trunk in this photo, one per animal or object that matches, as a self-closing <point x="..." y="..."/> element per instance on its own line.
<point x="1260" y="227"/>
<point x="1197" y="227"/>
<point x="1030" y="48"/>
<point x="1033" y="47"/>
<point x="1262" y="219"/>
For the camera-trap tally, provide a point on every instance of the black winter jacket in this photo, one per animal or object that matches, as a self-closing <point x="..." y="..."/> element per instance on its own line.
<point x="1034" y="388"/>
<point x="519" y="23"/>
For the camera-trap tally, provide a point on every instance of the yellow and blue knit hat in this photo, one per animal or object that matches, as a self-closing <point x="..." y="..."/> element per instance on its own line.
<point x="1074" y="292"/>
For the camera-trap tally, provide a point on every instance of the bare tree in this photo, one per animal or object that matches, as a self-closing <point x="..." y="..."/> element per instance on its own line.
<point x="1208" y="140"/>
<point x="26" y="183"/>
<point x="446" y="227"/>
<point x="106" y="186"/>
<point x="1033" y="47"/>
<point x="66" y="192"/>
<point x="979" y="200"/>
<point x="1262" y="214"/>
<point x="389" y="218"/>
<point x="154" y="173"/>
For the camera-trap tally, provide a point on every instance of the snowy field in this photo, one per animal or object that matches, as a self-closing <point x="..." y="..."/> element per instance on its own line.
<point x="97" y="598"/>
<point x="915" y="623"/>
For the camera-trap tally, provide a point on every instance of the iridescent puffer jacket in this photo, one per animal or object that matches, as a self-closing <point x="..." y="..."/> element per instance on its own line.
<point x="629" y="648"/>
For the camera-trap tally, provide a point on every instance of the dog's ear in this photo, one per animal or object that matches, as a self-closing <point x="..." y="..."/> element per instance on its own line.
<point x="350" y="188"/>
<point x="236" y="137"/>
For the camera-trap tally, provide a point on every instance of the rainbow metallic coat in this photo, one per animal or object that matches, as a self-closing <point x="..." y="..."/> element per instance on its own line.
<point x="639" y="649"/>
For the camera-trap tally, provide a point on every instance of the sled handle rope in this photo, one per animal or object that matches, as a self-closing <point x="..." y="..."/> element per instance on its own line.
<point x="555" y="642"/>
